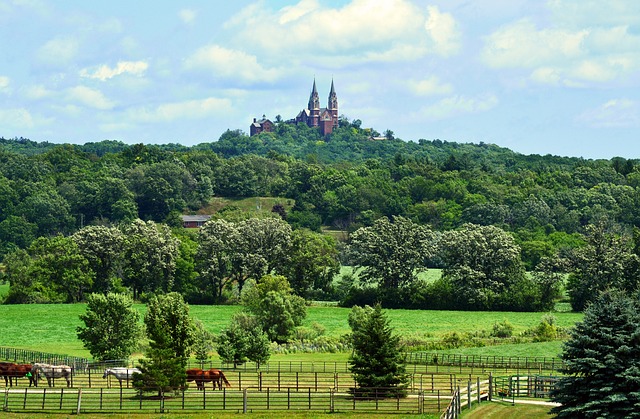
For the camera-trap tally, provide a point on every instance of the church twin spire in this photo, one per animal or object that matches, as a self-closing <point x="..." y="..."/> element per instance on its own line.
<point x="326" y="119"/>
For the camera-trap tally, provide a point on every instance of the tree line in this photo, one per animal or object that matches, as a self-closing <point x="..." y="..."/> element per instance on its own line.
<point x="54" y="198"/>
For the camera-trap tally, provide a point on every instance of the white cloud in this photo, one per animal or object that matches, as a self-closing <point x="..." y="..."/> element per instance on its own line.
<point x="429" y="87"/>
<point x="616" y="113"/>
<point x="191" y="109"/>
<point x="231" y="64"/>
<point x="456" y="105"/>
<point x="104" y="72"/>
<point x="187" y="16"/>
<point x="17" y="118"/>
<point x="88" y="97"/>
<point x="522" y="45"/>
<point x="360" y="31"/>
<point x="443" y="30"/>
<point x="37" y="92"/>
<point x="590" y="44"/>
<point x="4" y="83"/>
<point x="58" y="51"/>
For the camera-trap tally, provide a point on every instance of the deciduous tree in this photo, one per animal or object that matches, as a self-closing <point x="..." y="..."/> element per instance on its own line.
<point x="391" y="252"/>
<point x="111" y="328"/>
<point x="243" y="340"/>
<point x="276" y="308"/>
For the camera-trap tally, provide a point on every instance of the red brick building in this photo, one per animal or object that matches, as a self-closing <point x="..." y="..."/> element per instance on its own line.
<point x="262" y="125"/>
<point x="313" y="115"/>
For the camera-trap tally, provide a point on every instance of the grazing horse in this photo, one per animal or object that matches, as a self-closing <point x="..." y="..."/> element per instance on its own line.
<point x="121" y="373"/>
<point x="4" y="372"/>
<point x="197" y="375"/>
<point x="217" y="377"/>
<point x="16" y="371"/>
<point x="51" y="372"/>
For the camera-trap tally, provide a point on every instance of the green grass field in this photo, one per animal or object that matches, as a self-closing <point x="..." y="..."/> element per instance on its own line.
<point x="507" y="411"/>
<point x="52" y="328"/>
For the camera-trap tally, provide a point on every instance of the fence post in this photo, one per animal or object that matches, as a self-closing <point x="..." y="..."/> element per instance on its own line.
<point x="469" y="394"/>
<point x="478" y="389"/>
<point x="244" y="401"/>
<point x="5" y="405"/>
<point x="490" y="386"/>
<point x="79" y="401"/>
<point x="331" y="406"/>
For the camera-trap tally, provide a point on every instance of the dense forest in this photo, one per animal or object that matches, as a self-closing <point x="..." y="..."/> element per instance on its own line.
<point x="505" y="228"/>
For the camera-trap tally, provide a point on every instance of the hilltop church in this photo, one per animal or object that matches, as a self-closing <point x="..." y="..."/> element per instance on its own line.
<point x="313" y="115"/>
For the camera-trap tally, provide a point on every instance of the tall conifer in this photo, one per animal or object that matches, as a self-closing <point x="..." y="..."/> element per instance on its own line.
<point x="602" y="362"/>
<point x="377" y="361"/>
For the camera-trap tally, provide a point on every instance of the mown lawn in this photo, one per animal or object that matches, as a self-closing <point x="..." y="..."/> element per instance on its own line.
<point x="507" y="411"/>
<point x="52" y="328"/>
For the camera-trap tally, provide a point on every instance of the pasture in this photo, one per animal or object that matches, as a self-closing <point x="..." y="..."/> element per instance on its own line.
<point x="52" y="328"/>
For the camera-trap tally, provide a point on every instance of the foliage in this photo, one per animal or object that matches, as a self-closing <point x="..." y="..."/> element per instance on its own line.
<point x="169" y="326"/>
<point x="243" y="340"/>
<point x="202" y="341"/>
<point x="607" y="260"/>
<point x="161" y="371"/>
<point x="51" y="270"/>
<point x="102" y="247"/>
<point x="481" y="263"/>
<point x="111" y="326"/>
<point x="391" y="252"/>
<point x="313" y="262"/>
<point x="602" y="360"/>
<point x="149" y="253"/>
<point x="504" y="329"/>
<point x="234" y="252"/>
<point x="377" y="361"/>
<point x="277" y="310"/>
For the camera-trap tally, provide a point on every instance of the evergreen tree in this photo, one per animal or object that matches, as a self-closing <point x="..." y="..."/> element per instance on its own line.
<point x="161" y="371"/>
<point x="602" y="362"/>
<point x="376" y="362"/>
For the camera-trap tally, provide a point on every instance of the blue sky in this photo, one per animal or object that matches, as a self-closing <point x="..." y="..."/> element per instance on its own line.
<point x="555" y="77"/>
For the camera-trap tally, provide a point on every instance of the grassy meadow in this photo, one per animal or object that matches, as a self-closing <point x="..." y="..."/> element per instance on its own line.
<point x="52" y="327"/>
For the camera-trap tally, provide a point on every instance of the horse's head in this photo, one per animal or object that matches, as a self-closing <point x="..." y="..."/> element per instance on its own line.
<point x="106" y="373"/>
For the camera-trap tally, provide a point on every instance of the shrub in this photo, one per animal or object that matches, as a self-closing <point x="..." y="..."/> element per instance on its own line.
<point x="502" y="330"/>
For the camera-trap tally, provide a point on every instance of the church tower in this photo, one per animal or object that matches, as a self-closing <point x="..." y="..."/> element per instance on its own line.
<point x="332" y="105"/>
<point x="314" y="106"/>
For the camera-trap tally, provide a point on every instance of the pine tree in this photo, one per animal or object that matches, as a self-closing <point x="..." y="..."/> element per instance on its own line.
<point x="161" y="371"/>
<point x="602" y="362"/>
<point x="377" y="362"/>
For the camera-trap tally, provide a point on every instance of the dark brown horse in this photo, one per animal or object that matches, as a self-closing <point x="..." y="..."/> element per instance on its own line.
<point x="205" y="376"/>
<point x="12" y="371"/>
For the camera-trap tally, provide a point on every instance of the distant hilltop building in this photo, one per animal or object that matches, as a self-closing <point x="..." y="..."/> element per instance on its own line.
<point x="313" y="115"/>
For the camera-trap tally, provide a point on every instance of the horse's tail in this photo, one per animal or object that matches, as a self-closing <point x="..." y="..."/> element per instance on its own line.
<point x="226" y="382"/>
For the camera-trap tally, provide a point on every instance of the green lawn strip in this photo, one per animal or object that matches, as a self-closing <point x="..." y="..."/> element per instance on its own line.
<point x="502" y="410"/>
<point x="536" y="349"/>
<point x="52" y="327"/>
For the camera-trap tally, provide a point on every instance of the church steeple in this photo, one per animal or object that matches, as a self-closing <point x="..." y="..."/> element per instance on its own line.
<point x="333" y="98"/>
<point x="314" y="99"/>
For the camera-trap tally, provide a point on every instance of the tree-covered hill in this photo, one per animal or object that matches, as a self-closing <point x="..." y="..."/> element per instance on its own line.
<point x="346" y="180"/>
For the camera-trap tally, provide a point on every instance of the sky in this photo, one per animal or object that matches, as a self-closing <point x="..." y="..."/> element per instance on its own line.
<point x="558" y="77"/>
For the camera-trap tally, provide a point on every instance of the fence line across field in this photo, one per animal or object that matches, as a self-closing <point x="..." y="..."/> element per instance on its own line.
<point x="246" y="400"/>
<point x="239" y="379"/>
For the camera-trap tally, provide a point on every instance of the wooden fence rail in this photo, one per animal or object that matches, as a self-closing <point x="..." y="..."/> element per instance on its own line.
<point x="246" y="400"/>
<point x="486" y="363"/>
<point x="239" y="379"/>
